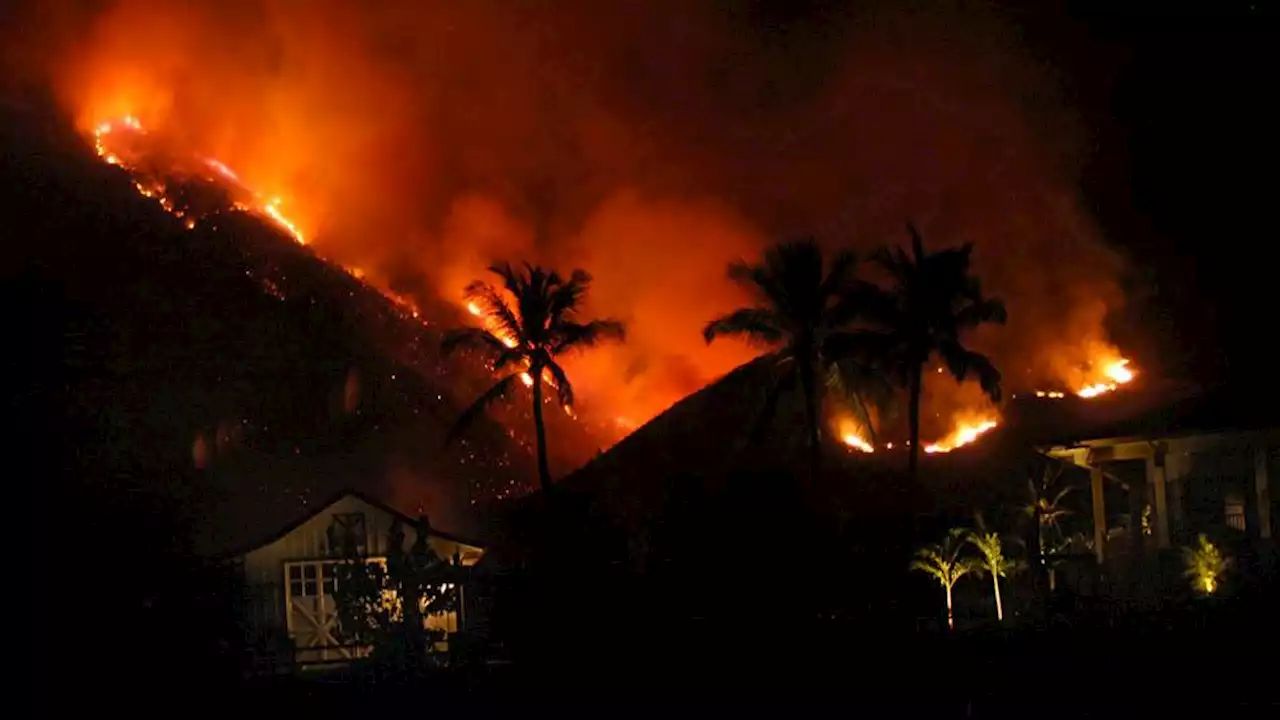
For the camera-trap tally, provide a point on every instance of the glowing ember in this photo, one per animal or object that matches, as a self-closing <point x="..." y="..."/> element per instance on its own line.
<point x="963" y="434"/>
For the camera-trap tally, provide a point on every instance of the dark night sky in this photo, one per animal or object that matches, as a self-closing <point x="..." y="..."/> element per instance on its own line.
<point x="1182" y="130"/>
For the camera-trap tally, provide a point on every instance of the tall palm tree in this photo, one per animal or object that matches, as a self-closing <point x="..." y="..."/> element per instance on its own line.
<point x="991" y="558"/>
<point x="803" y="307"/>
<point x="932" y="302"/>
<point x="1046" y="509"/>
<point x="943" y="562"/>
<point x="526" y="335"/>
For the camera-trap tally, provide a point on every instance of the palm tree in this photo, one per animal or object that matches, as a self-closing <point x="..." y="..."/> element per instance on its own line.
<point x="526" y="335"/>
<point x="1046" y="510"/>
<point x="943" y="562"/>
<point x="1205" y="565"/>
<point x="932" y="302"/>
<point x="802" y="310"/>
<point x="991" y="558"/>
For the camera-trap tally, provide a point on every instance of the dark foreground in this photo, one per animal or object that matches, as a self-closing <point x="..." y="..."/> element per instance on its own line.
<point x="1216" y="660"/>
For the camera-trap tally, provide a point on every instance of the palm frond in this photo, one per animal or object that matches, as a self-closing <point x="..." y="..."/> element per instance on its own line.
<point x="510" y="356"/>
<point x="962" y="362"/>
<point x="856" y="389"/>
<point x="564" y="389"/>
<point x="493" y="306"/>
<point x="511" y="279"/>
<point x="980" y="312"/>
<point x="565" y="297"/>
<point x="567" y="336"/>
<point x="924" y="567"/>
<point x="475" y="338"/>
<point x="499" y="391"/>
<point x="756" y="324"/>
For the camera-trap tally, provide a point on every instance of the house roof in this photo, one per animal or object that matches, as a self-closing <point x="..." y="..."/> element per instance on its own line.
<point x="330" y="502"/>
<point x="1222" y="409"/>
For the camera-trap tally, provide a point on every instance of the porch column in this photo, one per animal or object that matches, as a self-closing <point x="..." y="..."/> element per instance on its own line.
<point x="1156" y="479"/>
<point x="1174" y="464"/>
<point x="1263" y="489"/>
<point x="1099" y="512"/>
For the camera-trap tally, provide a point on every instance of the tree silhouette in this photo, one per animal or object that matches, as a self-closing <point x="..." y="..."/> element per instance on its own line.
<point x="803" y="308"/>
<point x="1046" y="510"/>
<point x="525" y="336"/>
<point x="991" y="558"/>
<point x="943" y="562"/>
<point x="933" y="300"/>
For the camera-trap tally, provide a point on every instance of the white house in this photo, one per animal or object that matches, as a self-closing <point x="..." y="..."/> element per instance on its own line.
<point x="288" y="580"/>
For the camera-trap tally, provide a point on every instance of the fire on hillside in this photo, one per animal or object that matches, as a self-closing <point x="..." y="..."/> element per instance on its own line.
<point x="175" y="181"/>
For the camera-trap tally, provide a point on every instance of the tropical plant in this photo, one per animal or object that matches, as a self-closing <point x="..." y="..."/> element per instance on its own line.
<point x="1205" y="565"/>
<point x="386" y="604"/>
<point x="526" y="336"/>
<point x="932" y="302"/>
<point x="991" y="558"/>
<point x="943" y="562"/>
<point x="803" y="308"/>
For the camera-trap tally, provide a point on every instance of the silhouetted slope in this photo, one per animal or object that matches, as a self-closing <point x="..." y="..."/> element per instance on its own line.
<point x="231" y="345"/>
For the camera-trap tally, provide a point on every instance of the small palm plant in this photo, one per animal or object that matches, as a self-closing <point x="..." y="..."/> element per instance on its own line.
<point x="1205" y="565"/>
<point x="943" y="562"/>
<point x="991" y="559"/>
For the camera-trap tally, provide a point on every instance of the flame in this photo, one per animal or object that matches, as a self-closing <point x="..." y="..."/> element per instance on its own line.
<point x="1115" y="373"/>
<point x="105" y="131"/>
<point x="964" y="433"/>
<point x="850" y="433"/>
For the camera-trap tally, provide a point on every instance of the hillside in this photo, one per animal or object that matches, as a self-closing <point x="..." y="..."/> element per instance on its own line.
<point x="230" y="368"/>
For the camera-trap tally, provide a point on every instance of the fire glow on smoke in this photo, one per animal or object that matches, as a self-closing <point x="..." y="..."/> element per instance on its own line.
<point x="107" y="137"/>
<point x="110" y="142"/>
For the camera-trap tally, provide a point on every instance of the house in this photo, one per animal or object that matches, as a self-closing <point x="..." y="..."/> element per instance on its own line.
<point x="1201" y="465"/>
<point x="287" y="581"/>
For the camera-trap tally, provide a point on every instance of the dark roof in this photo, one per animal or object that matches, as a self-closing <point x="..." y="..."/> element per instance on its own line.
<point x="325" y="505"/>
<point x="1215" y="410"/>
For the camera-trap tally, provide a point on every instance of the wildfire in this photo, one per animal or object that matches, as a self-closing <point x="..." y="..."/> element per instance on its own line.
<point x="849" y="433"/>
<point x="1112" y="375"/>
<point x="104" y="132"/>
<point x="963" y="434"/>
<point x="1116" y="373"/>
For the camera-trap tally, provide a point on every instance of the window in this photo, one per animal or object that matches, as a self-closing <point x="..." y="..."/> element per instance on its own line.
<point x="312" y="579"/>
<point x="347" y="535"/>
<point x="1234" y="511"/>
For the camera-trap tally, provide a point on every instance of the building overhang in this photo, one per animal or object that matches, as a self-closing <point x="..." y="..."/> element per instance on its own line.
<point x="1089" y="453"/>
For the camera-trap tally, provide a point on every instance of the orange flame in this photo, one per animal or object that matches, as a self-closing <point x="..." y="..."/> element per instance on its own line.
<point x="1115" y="372"/>
<point x="964" y="433"/>
<point x="850" y="433"/>
<point x="102" y="135"/>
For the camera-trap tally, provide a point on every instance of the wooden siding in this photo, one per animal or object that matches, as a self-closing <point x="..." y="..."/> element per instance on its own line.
<point x="264" y="567"/>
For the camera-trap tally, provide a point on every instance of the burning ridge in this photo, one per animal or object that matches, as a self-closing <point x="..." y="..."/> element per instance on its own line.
<point x="208" y="197"/>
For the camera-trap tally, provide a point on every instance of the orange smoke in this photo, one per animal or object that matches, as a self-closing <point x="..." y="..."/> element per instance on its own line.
<point x="404" y="141"/>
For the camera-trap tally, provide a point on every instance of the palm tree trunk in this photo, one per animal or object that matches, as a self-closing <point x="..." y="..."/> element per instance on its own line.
<point x="540" y="429"/>
<point x="951" y="616"/>
<point x="995" y="582"/>
<point x="809" y="387"/>
<point x="913" y="422"/>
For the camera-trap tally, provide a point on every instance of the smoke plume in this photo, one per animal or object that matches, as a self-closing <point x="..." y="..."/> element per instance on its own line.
<point x="649" y="143"/>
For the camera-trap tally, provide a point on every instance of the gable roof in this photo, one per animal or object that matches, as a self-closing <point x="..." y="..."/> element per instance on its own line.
<point x="330" y="502"/>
